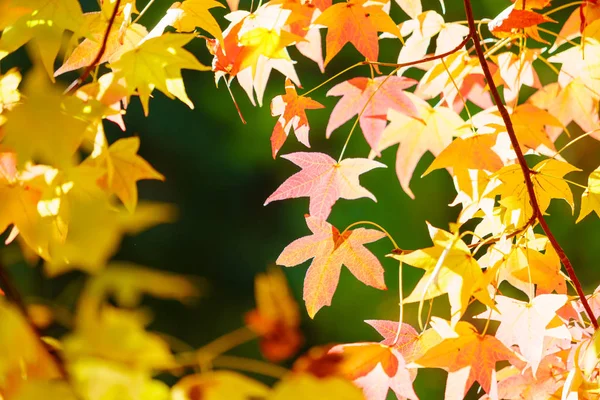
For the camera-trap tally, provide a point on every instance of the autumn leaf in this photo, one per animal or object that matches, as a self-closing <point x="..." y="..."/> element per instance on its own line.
<point x="410" y="344"/>
<point x="590" y="199"/>
<point x="515" y="18"/>
<point x="189" y="14"/>
<point x="468" y="357"/>
<point x="544" y="271"/>
<point x="276" y="318"/>
<point x="329" y="250"/>
<point x="157" y="63"/>
<point x="324" y="181"/>
<point x="218" y="385"/>
<point x="376" y="368"/>
<point x="371" y="99"/>
<point x="48" y="126"/>
<point x="304" y="386"/>
<point x="124" y="169"/>
<point x="44" y="22"/>
<point x="291" y="110"/>
<point x="473" y="152"/>
<point x="119" y="41"/>
<point x="433" y="131"/>
<point x="572" y="103"/>
<point x="449" y="268"/>
<point x="353" y="22"/>
<point x="23" y="355"/>
<point x="525" y="323"/>
<point x="548" y="184"/>
<point x="411" y="7"/>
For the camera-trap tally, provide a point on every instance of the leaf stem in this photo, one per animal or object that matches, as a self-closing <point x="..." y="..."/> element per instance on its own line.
<point x="332" y="78"/>
<point x="376" y="225"/>
<point x="559" y="8"/>
<point x="143" y="11"/>
<point x="523" y="164"/>
<point x="207" y="353"/>
<point x="250" y="365"/>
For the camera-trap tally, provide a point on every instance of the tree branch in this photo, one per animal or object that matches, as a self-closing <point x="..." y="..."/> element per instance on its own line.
<point x="537" y="213"/>
<point x="77" y="83"/>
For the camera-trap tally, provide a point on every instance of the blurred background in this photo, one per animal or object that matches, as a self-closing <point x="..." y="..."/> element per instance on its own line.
<point x="219" y="173"/>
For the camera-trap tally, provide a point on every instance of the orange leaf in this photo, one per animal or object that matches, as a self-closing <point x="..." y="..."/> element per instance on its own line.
<point x="353" y="22"/>
<point x="329" y="249"/>
<point x="292" y="111"/>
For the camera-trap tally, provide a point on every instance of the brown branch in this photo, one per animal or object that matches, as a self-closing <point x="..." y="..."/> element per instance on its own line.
<point x="422" y="60"/>
<point x="14" y="296"/>
<point x="537" y="213"/>
<point x="77" y="83"/>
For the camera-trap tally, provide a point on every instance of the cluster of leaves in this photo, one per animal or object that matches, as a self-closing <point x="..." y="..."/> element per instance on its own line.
<point x="68" y="196"/>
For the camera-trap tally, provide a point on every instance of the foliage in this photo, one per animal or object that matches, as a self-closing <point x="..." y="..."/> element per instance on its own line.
<point x="472" y="99"/>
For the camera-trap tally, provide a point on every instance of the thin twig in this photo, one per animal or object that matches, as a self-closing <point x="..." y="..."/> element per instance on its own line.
<point x="523" y="164"/>
<point x="77" y="83"/>
<point x="422" y="60"/>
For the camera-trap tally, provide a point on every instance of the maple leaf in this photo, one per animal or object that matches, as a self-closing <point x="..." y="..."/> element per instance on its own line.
<point x="292" y="111"/>
<point x="48" y="126"/>
<point x="525" y="324"/>
<point x="422" y="29"/>
<point x="512" y="19"/>
<point x="186" y="16"/>
<point x="517" y="70"/>
<point x="543" y="385"/>
<point x="473" y="152"/>
<point x="119" y="41"/>
<point x="262" y="49"/>
<point x="548" y="184"/>
<point x="376" y="368"/>
<point x="468" y="357"/>
<point x="544" y="271"/>
<point x="572" y="103"/>
<point x="529" y="123"/>
<point x="353" y="22"/>
<point x="410" y="344"/>
<point x="370" y="99"/>
<point x="276" y="318"/>
<point x="590" y="199"/>
<point x="324" y="181"/>
<point x="433" y="131"/>
<point x="45" y="22"/>
<point x="449" y="268"/>
<point x="576" y="23"/>
<point x="330" y="249"/>
<point x="218" y="385"/>
<point x="304" y="386"/>
<point x="157" y="63"/>
<point x="124" y="168"/>
<point x="411" y="7"/>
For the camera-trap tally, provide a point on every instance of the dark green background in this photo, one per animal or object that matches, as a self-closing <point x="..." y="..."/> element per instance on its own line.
<point x="219" y="172"/>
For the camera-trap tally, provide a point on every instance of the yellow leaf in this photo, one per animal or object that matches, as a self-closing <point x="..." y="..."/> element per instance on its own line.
<point x="590" y="199"/>
<point x="194" y="13"/>
<point x="95" y="231"/>
<point x="47" y="390"/>
<point x="40" y="20"/>
<point x="125" y="168"/>
<point x="157" y="63"/>
<point x="449" y="268"/>
<point x="48" y="127"/>
<point x="301" y="387"/>
<point x="221" y="385"/>
<point x="548" y="184"/>
<point x="23" y="356"/>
